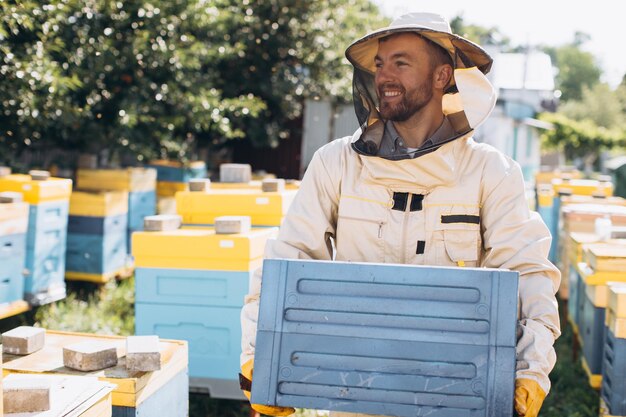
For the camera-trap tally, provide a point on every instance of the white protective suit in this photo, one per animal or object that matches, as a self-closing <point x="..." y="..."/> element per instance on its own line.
<point x="462" y="204"/>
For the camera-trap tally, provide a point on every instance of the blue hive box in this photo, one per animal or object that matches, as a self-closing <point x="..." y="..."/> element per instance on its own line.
<point x="592" y="333"/>
<point x="613" y="390"/>
<point x="96" y="254"/>
<point x="97" y="225"/>
<point x="572" y="301"/>
<point x="45" y="252"/>
<point x="179" y="174"/>
<point x="202" y="307"/>
<point x="395" y="340"/>
<point x="140" y="204"/>
<point x="12" y="259"/>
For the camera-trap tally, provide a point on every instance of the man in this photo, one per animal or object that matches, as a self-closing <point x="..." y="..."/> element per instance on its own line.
<point x="412" y="186"/>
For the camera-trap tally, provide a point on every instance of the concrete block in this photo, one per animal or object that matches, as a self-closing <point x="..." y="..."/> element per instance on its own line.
<point x="235" y="173"/>
<point x="87" y="161"/>
<point x="26" y="395"/>
<point x="11" y="197"/>
<point x="199" y="184"/>
<point x="273" y="185"/>
<point x="91" y="355"/>
<point x="4" y="171"/>
<point x="23" y="340"/>
<point x="225" y="225"/>
<point x="37" y="175"/>
<point x="162" y="222"/>
<point x="142" y="353"/>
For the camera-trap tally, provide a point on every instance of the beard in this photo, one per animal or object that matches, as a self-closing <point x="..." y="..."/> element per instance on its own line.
<point x="412" y="101"/>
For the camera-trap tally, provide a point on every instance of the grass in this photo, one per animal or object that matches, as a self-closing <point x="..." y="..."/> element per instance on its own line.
<point x="109" y="309"/>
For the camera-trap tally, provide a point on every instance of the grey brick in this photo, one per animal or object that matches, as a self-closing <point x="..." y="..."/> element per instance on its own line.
<point x="11" y="197"/>
<point x="23" y="340"/>
<point x="235" y="173"/>
<point x="90" y="355"/>
<point x="232" y="224"/>
<point x="37" y="175"/>
<point x="142" y="353"/>
<point x="273" y="185"/>
<point x="25" y="395"/>
<point x="199" y="184"/>
<point x="162" y="222"/>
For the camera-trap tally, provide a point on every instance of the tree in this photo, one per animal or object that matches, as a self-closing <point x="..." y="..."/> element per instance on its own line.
<point x="158" y="78"/>
<point x="599" y="104"/>
<point x="577" y="69"/>
<point x="479" y="34"/>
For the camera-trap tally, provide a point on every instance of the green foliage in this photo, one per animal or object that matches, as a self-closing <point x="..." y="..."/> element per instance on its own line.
<point x="107" y="310"/>
<point x="580" y="139"/>
<point x="577" y="69"/>
<point x="479" y="34"/>
<point x="599" y="104"/>
<point x="158" y="78"/>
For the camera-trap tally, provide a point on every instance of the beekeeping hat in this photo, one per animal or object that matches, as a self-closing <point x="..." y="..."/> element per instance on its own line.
<point x="468" y="100"/>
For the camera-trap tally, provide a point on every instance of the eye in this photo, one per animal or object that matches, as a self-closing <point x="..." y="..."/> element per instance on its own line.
<point x="401" y="63"/>
<point x="378" y="64"/>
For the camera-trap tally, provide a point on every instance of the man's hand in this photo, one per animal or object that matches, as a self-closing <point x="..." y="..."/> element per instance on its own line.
<point x="528" y="397"/>
<point x="245" y="380"/>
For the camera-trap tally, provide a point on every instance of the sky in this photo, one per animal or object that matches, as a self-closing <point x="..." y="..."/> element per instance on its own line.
<point x="532" y="22"/>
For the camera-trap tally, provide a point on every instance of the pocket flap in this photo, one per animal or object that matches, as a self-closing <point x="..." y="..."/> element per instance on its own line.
<point x="461" y="245"/>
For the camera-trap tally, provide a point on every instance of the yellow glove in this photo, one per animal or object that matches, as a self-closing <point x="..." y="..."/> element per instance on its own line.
<point x="528" y="397"/>
<point x="245" y="380"/>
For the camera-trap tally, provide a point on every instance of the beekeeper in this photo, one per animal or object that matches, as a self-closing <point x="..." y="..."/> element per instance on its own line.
<point x="411" y="186"/>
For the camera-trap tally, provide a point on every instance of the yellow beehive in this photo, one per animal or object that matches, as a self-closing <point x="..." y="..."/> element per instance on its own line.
<point x="615" y="324"/>
<point x="36" y="192"/>
<point x="582" y="187"/>
<point x="127" y="179"/>
<point x="98" y="203"/>
<point x="264" y="208"/>
<point x="617" y="300"/>
<point x="169" y="189"/>
<point x="591" y="277"/>
<point x="132" y="387"/>
<point x="178" y="164"/>
<point x="252" y="185"/>
<point x="546" y="177"/>
<point x="13" y="218"/>
<point x="201" y="248"/>
<point x="606" y="256"/>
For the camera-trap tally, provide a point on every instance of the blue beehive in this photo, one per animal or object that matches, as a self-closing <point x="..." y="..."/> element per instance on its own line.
<point x="91" y="225"/>
<point x="140" y="205"/>
<point x="572" y="301"/>
<point x="592" y="329"/>
<point x="45" y="252"/>
<point x="179" y="173"/>
<point x="202" y="307"/>
<point x="96" y="254"/>
<point x="12" y="258"/>
<point x="614" y="374"/>
<point x="395" y="340"/>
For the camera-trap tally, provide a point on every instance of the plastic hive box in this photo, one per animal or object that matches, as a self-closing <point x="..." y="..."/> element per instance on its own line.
<point x="264" y="208"/>
<point x="98" y="203"/>
<point x="592" y="333"/>
<point x="173" y="171"/>
<point x="96" y="254"/>
<point x="98" y="225"/>
<point x="36" y="192"/>
<point x="572" y="301"/>
<point x="47" y="217"/>
<point x="191" y="287"/>
<point x="395" y="340"/>
<point x="127" y="179"/>
<point x="12" y="259"/>
<point x="13" y="218"/>
<point x="613" y="390"/>
<point x="201" y="249"/>
<point x="140" y="204"/>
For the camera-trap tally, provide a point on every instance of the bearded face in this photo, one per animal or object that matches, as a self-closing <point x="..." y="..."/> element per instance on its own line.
<point x="398" y="103"/>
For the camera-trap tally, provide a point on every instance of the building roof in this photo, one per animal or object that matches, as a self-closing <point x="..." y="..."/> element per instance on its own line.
<point x="519" y="71"/>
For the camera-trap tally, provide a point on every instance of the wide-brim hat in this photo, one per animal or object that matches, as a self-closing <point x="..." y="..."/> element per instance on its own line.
<point x="434" y="27"/>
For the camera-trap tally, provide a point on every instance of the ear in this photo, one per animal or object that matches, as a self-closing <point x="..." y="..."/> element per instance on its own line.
<point x="442" y="76"/>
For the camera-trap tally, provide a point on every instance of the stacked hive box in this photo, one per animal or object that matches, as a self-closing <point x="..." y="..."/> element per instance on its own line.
<point x="173" y="176"/>
<point x="395" y="340"/>
<point x="264" y="208"/>
<point x="97" y="235"/>
<point x="13" y="229"/>
<point x="139" y="183"/>
<point x="604" y="263"/>
<point x="46" y="237"/>
<point x="190" y="284"/>
<point x="614" y="361"/>
<point x="157" y="393"/>
<point x="581" y="218"/>
<point x="569" y="187"/>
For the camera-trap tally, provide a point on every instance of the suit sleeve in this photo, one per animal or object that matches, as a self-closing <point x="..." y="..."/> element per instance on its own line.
<point x="516" y="239"/>
<point x="305" y="233"/>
